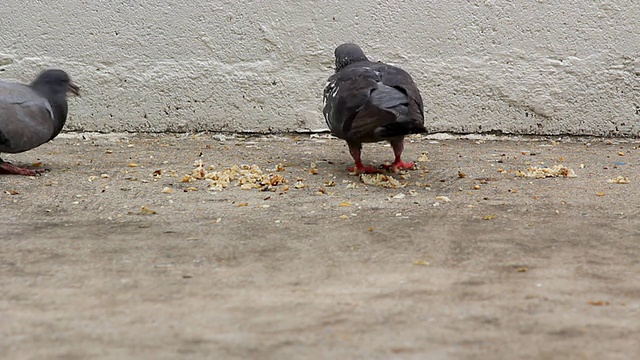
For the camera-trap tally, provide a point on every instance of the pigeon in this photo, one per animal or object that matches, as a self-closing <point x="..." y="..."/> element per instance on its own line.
<point x="31" y="115"/>
<point x="367" y="102"/>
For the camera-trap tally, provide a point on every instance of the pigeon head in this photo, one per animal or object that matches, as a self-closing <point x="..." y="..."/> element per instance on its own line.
<point x="54" y="83"/>
<point x="347" y="54"/>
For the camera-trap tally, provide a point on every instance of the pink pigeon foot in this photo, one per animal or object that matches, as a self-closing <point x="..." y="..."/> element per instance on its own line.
<point x="8" y="168"/>
<point x="399" y="165"/>
<point x="363" y="169"/>
<point x="354" y="150"/>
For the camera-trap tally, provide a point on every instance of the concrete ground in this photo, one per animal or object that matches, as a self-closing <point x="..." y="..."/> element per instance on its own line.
<point x="110" y="256"/>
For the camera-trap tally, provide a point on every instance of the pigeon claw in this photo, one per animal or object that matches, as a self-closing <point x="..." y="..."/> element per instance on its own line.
<point x="363" y="170"/>
<point x="8" y="168"/>
<point x="399" y="165"/>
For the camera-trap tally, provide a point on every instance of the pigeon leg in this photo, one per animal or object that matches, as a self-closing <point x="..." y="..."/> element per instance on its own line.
<point x="8" y="168"/>
<point x="354" y="149"/>
<point x="398" y="164"/>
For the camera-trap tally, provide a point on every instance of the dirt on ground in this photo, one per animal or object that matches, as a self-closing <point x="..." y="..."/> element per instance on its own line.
<point x="133" y="247"/>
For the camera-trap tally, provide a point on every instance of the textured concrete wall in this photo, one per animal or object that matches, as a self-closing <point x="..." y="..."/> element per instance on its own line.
<point x="541" y="67"/>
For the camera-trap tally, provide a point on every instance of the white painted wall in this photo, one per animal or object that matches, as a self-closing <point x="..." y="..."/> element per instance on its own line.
<point x="522" y="66"/>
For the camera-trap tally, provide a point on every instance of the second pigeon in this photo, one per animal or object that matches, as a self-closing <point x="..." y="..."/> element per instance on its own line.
<point x="368" y="101"/>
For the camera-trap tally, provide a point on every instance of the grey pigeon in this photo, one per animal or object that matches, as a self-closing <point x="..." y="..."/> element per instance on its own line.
<point x="368" y="101"/>
<point x="31" y="115"/>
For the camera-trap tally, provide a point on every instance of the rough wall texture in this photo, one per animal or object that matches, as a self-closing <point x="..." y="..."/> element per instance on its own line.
<point x="539" y="67"/>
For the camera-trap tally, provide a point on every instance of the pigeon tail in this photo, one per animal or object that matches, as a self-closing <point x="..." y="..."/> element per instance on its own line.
<point x="404" y="126"/>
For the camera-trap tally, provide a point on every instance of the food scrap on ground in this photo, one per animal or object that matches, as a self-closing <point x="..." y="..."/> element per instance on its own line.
<point x="619" y="180"/>
<point x="598" y="303"/>
<point x="143" y="211"/>
<point x="381" y="180"/>
<point x="546" y="172"/>
<point x="244" y="176"/>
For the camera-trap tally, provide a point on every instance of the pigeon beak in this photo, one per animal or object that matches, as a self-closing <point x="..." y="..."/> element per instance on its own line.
<point x="74" y="89"/>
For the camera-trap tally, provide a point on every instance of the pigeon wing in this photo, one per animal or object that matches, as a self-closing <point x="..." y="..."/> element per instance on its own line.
<point x="347" y="96"/>
<point x="397" y="78"/>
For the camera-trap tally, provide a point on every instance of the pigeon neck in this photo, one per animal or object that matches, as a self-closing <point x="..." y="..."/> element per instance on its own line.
<point x="343" y="63"/>
<point x="58" y="102"/>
